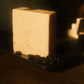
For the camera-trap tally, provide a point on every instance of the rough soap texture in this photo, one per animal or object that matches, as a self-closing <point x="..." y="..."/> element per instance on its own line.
<point x="34" y="31"/>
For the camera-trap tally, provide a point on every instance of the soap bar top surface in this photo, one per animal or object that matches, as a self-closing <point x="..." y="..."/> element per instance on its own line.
<point x="34" y="10"/>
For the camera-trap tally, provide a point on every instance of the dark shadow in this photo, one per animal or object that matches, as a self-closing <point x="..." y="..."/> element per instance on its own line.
<point x="6" y="41"/>
<point x="6" y="35"/>
<point x="73" y="55"/>
<point x="56" y="68"/>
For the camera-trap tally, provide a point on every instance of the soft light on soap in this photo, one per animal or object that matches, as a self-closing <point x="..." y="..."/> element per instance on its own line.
<point x="73" y="32"/>
<point x="34" y="31"/>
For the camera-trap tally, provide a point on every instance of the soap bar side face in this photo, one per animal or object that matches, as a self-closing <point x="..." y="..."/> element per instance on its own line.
<point x="52" y="34"/>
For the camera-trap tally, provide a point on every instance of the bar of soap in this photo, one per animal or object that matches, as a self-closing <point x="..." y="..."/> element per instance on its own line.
<point x="75" y="29"/>
<point x="34" y="31"/>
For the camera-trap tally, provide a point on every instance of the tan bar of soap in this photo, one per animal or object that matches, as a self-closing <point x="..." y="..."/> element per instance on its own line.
<point x="73" y="32"/>
<point x="34" y="31"/>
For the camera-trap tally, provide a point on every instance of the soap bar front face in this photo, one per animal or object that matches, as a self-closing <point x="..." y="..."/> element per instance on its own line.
<point x="31" y="31"/>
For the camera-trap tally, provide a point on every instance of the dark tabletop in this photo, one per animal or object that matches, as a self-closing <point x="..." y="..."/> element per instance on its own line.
<point x="14" y="70"/>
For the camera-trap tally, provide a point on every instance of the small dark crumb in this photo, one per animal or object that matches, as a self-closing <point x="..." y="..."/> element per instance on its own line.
<point x="18" y="53"/>
<point x="44" y="61"/>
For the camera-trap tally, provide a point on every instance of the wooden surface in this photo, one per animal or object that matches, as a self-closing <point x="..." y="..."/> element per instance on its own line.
<point x="14" y="70"/>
